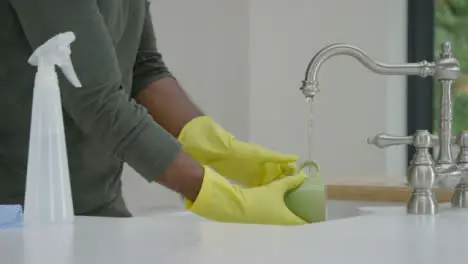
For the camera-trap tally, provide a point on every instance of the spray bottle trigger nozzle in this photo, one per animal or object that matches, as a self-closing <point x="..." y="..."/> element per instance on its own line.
<point x="56" y="51"/>
<point x="69" y="72"/>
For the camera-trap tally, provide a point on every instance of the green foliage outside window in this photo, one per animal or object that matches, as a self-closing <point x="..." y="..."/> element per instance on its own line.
<point x="451" y="24"/>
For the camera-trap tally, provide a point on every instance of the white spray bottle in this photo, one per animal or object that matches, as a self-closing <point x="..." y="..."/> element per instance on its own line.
<point x="48" y="198"/>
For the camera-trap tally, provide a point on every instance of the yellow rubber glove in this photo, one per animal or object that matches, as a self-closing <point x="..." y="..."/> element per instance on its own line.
<point x="247" y="164"/>
<point x="219" y="200"/>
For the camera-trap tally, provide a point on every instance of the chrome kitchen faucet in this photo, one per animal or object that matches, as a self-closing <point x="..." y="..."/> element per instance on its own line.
<point x="424" y="174"/>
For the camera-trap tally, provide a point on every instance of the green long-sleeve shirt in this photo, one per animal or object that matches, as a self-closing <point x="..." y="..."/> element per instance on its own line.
<point x="115" y="57"/>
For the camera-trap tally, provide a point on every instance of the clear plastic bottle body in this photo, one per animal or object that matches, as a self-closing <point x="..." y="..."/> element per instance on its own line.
<point x="48" y="197"/>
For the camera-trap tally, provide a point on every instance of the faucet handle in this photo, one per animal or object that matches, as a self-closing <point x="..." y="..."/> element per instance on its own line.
<point x="420" y="139"/>
<point x="383" y="140"/>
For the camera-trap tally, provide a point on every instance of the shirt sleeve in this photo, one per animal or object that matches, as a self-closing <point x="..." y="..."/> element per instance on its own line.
<point x="100" y="108"/>
<point x="149" y="65"/>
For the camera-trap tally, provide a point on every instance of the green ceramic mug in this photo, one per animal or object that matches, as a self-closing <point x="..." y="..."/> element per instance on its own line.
<point x="308" y="201"/>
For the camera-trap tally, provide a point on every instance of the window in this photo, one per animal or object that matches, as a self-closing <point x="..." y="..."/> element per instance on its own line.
<point x="420" y="109"/>
<point x="450" y="24"/>
<point x="430" y="23"/>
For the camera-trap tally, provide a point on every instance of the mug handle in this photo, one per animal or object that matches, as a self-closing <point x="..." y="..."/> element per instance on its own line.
<point x="308" y="164"/>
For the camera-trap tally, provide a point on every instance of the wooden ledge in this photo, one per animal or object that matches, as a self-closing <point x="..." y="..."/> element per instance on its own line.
<point x="376" y="190"/>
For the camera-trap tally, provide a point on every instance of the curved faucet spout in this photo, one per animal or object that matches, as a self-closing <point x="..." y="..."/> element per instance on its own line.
<point x="310" y="83"/>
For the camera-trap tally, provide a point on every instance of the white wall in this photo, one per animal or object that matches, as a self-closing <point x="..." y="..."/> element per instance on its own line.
<point x="243" y="62"/>
<point x="354" y="103"/>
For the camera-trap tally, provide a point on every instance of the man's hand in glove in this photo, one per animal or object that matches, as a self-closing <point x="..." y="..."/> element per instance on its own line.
<point x="245" y="163"/>
<point x="222" y="201"/>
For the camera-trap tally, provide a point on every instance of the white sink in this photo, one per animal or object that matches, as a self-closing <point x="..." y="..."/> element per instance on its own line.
<point x="336" y="210"/>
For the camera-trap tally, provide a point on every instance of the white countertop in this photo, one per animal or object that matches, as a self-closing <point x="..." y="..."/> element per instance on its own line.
<point x="393" y="238"/>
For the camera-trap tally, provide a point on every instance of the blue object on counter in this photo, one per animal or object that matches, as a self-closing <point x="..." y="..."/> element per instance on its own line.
<point x="11" y="216"/>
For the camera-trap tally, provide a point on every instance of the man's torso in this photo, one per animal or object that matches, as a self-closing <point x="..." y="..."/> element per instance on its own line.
<point x="95" y="173"/>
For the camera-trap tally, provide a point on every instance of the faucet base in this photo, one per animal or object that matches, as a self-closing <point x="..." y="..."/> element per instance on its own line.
<point x="422" y="202"/>
<point x="448" y="175"/>
<point x="460" y="196"/>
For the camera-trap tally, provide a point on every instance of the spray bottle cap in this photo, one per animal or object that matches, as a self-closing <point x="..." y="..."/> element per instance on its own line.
<point x="56" y="51"/>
